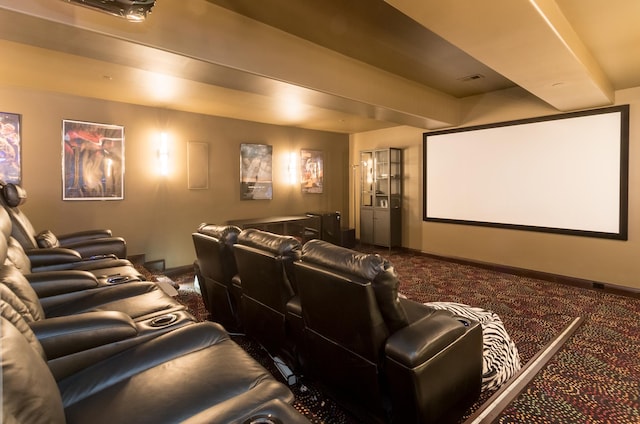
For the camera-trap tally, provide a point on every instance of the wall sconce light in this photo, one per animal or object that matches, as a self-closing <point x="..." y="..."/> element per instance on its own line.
<point x="162" y="154"/>
<point x="292" y="168"/>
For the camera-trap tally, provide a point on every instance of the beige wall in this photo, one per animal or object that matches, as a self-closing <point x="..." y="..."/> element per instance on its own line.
<point x="159" y="214"/>
<point x="609" y="261"/>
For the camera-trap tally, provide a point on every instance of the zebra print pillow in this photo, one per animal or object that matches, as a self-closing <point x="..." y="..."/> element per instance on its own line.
<point x="500" y="354"/>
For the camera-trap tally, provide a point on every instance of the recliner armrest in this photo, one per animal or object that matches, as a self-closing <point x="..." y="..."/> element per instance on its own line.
<point x="61" y="258"/>
<point x="434" y="368"/>
<point x="99" y="246"/>
<point x="83" y="235"/>
<point x="52" y="283"/>
<point x="66" y="335"/>
<point x="421" y="340"/>
<point x="52" y="256"/>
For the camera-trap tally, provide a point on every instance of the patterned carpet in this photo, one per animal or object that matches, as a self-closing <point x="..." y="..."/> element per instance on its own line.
<point x="594" y="378"/>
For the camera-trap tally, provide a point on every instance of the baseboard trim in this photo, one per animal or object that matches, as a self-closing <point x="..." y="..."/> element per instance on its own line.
<point x="179" y="270"/>
<point x="522" y="272"/>
<point x="539" y="275"/>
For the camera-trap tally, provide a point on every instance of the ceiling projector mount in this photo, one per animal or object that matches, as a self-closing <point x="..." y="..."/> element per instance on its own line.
<point x="132" y="10"/>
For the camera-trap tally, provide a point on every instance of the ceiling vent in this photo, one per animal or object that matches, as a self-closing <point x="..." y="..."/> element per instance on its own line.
<point x="471" y="78"/>
<point x="132" y="10"/>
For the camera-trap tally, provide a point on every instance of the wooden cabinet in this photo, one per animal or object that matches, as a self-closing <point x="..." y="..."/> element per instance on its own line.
<point x="381" y="197"/>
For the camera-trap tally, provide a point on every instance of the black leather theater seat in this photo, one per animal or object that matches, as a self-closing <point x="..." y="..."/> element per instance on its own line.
<point x="183" y="375"/>
<point x="385" y="357"/>
<point x="87" y="243"/>
<point x="215" y="267"/>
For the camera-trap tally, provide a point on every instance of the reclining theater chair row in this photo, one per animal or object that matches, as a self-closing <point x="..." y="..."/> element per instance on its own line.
<point x="90" y="243"/>
<point x="77" y="348"/>
<point x="334" y="315"/>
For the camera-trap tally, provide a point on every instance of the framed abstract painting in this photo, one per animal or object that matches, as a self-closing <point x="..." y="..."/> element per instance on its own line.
<point x="92" y="161"/>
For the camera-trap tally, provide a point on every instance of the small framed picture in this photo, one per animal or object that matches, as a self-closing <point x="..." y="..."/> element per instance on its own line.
<point x="10" y="148"/>
<point x="311" y="171"/>
<point x="256" y="172"/>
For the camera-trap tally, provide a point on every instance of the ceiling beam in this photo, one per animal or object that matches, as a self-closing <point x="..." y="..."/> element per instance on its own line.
<point x="187" y="33"/>
<point x="529" y="42"/>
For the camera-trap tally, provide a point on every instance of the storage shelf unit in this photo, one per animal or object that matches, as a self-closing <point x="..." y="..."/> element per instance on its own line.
<point x="381" y="197"/>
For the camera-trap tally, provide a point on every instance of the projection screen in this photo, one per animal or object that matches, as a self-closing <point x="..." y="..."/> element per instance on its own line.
<point x="563" y="174"/>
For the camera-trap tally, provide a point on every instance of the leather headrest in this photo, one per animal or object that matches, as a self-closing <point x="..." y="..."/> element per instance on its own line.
<point x="13" y="195"/>
<point x="227" y="233"/>
<point x="274" y="243"/>
<point x="343" y="260"/>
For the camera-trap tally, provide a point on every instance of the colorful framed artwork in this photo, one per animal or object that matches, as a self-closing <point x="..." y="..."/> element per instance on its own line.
<point x="10" y="148"/>
<point x="256" y="172"/>
<point x="92" y="161"/>
<point x="311" y="171"/>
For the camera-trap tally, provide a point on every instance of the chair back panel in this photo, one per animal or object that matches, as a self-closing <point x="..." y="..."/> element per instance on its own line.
<point x="210" y="254"/>
<point x="264" y="263"/>
<point x="215" y="267"/>
<point x="362" y="267"/>
<point x="342" y="309"/>
<point x="214" y="250"/>
<point x="344" y="333"/>
<point x="264" y="277"/>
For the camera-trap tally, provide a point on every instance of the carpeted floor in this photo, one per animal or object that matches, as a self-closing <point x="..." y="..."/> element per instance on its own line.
<point x="594" y="378"/>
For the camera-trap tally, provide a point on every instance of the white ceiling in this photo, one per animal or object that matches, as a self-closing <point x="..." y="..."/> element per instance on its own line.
<point x="330" y="65"/>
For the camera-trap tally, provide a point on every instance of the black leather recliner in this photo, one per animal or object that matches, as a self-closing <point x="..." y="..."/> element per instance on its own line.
<point x="386" y="357"/>
<point x="88" y="243"/>
<point x="194" y="374"/>
<point x="57" y="293"/>
<point x="74" y="342"/>
<point x="139" y="300"/>
<point x="265" y="269"/>
<point x="215" y="267"/>
<point x="47" y="264"/>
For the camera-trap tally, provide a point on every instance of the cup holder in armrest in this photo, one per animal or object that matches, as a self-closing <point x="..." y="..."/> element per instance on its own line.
<point x="98" y="257"/>
<point x="163" y="320"/>
<point x="119" y="279"/>
<point x="168" y="321"/>
<point x="263" y="419"/>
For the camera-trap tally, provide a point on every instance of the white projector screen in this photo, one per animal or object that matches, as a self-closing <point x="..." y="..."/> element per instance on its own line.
<point x="564" y="174"/>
